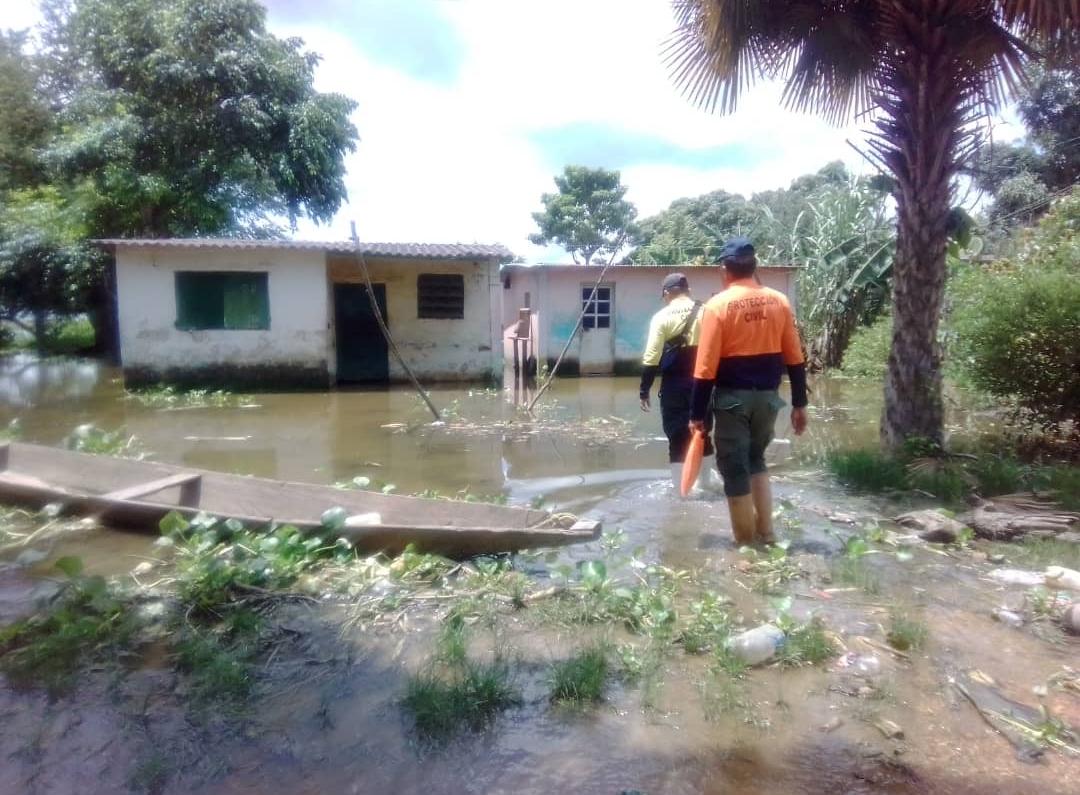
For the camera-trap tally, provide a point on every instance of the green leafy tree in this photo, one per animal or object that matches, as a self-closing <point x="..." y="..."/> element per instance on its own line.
<point x="26" y="121"/>
<point x="844" y="240"/>
<point x="1025" y="348"/>
<point x="191" y="119"/>
<point x="927" y="70"/>
<point x="693" y="229"/>
<point x="588" y="215"/>
<point x="1022" y="177"/>
<point x="46" y="266"/>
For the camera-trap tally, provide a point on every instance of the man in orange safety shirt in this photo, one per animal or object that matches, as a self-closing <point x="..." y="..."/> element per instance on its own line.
<point x="748" y="337"/>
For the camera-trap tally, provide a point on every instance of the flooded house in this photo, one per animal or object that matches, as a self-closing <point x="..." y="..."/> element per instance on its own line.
<point x="615" y="324"/>
<point x="297" y="313"/>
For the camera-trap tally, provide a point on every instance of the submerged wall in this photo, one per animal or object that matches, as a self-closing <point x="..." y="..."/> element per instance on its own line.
<point x="441" y="349"/>
<point x="293" y="351"/>
<point x="555" y="294"/>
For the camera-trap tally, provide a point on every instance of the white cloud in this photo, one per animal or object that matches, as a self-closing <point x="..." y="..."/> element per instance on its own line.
<point x="456" y="163"/>
<point x="459" y="161"/>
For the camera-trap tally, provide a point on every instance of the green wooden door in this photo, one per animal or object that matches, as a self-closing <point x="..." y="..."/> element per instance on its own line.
<point x="362" y="354"/>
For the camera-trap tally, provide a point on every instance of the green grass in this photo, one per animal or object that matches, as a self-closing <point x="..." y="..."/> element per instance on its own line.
<point x="150" y="774"/>
<point x="451" y="647"/>
<point x="470" y="698"/>
<point x="905" y="632"/>
<point x="951" y="478"/>
<point x="87" y="623"/>
<point x="220" y="669"/>
<point x="807" y="644"/>
<point x="1038" y="553"/>
<point x="728" y="663"/>
<point x="868" y="470"/>
<point x="855" y="572"/>
<point x="581" y="679"/>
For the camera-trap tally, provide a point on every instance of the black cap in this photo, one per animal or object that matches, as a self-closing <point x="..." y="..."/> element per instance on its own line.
<point x="674" y="281"/>
<point x="736" y="247"/>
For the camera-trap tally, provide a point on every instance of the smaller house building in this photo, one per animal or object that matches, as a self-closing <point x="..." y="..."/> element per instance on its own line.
<point x="295" y="313"/>
<point x="616" y="324"/>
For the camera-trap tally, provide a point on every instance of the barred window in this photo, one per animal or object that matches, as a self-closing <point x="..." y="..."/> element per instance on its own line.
<point x="597" y="313"/>
<point x="440" y="295"/>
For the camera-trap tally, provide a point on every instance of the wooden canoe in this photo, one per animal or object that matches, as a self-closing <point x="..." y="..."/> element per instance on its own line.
<point x="136" y="495"/>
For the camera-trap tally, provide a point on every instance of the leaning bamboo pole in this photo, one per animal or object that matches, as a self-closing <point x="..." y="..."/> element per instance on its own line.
<point x="573" y="334"/>
<point x="382" y="325"/>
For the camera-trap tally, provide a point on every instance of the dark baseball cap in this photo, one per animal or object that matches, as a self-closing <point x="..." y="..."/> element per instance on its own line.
<point x="674" y="281"/>
<point x="736" y="247"/>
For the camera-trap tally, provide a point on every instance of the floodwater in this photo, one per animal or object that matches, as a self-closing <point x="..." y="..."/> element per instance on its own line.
<point x="338" y="726"/>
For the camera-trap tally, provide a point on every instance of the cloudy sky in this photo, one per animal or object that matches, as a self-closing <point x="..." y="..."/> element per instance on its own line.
<point x="467" y="108"/>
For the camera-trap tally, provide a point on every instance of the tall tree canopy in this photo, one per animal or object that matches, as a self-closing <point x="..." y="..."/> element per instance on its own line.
<point x="588" y="216"/>
<point x="153" y="118"/>
<point x="190" y="118"/>
<point x="694" y="229"/>
<point x="927" y="71"/>
<point x="26" y="121"/>
<point x="1023" y="176"/>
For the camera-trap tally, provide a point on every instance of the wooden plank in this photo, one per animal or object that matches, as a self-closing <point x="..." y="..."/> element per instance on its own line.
<point x="189" y="483"/>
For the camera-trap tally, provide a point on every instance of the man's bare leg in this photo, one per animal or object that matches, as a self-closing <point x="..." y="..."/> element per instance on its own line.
<point x="741" y="511"/>
<point x="761" y="491"/>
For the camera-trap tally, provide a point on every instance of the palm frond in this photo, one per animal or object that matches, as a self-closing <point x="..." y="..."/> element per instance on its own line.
<point x="1044" y="19"/>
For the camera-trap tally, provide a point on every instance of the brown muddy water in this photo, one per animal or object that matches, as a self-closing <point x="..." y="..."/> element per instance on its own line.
<point x="329" y="719"/>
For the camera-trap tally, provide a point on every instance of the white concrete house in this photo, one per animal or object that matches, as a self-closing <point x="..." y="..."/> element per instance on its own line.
<point x="614" y="329"/>
<point x="292" y="313"/>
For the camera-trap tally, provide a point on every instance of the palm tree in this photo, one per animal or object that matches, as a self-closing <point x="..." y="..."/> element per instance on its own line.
<point x="925" y="72"/>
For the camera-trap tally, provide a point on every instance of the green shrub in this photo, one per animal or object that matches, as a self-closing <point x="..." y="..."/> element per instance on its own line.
<point x="1014" y="324"/>
<point x="867" y="355"/>
<point x="70" y="335"/>
<point x="1017" y="338"/>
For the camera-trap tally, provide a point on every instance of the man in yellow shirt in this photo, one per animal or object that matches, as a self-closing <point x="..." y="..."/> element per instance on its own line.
<point x="670" y="350"/>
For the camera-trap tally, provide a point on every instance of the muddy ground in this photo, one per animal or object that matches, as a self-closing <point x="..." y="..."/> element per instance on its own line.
<point x="326" y="713"/>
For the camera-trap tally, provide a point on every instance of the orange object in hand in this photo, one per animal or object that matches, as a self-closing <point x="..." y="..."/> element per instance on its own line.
<point x="692" y="465"/>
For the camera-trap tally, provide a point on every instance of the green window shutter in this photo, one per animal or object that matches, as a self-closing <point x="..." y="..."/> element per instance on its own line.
<point x="247" y="301"/>
<point x="200" y="300"/>
<point x="222" y="300"/>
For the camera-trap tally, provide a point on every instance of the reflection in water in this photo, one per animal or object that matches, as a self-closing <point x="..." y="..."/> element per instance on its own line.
<point x="26" y="381"/>
<point x="592" y="451"/>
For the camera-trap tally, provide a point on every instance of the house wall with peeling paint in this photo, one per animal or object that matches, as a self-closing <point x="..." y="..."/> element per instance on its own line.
<point x="293" y="350"/>
<point x="444" y="349"/>
<point x="555" y="295"/>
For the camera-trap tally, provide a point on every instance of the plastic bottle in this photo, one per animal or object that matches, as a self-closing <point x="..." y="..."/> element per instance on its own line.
<point x="1008" y="617"/>
<point x="1061" y="577"/>
<point x="363" y="520"/>
<point x="757" y="645"/>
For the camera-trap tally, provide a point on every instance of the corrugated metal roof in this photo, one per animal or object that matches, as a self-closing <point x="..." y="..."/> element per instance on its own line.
<point x="551" y="266"/>
<point x="389" y="250"/>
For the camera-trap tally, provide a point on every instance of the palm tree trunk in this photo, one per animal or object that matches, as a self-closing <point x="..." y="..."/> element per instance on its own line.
<point x="920" y="135"/>
<point x="913" y="401"/>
